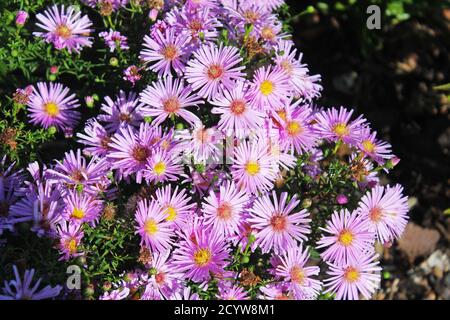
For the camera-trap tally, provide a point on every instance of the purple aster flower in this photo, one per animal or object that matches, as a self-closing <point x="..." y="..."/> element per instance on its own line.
<point x="305" y="86"/>
<point x="185" y="294"/>
<point x="174" y="204"/>
<point x="96" y="138"/>
<point x="386" y="210"/>
<point x="42" y="205"/>
<point x="23" y="290"/>
<point x="201" y="25"/>
<point x="11" y="189"/>
<point x="253" y="167"/>
<point x="277" y="227"/>
<point x="348" y="237"/>
<point x="270" y="88"/>
<point x="200" y="255"/>
<point x="131" y="150"/>
<point x="114" y="40"/>
<point x="65" y="28"/>
<point x="117" y="294"/>
<point x="202" y="143"/>
<point x="238" y="117"/>
<point x="51" y="105"/>
<point x="276" y="291"/>
<point x="70" y="235"/>
<point x="375" y="149"/>
<point x="295" y="128"/>
<point x="228" y="291"/>
<point x="152" y="226"/>
<point x="293" y="270"/>
<point x="163" y="166"/>
<point x="355" y="278"/>
<point x="122" y="111"/>
<point x="75" y="171"/>
<point x="168" y="97"/>
<point x="82" y="207"/>
<point x="213" y="69"/>
<point x="334" y="125"/>
<point x="222" y="211"/>
<point x="165" y="51"/>
<point x="132" y="75"/>
<point x="162" y="280"/>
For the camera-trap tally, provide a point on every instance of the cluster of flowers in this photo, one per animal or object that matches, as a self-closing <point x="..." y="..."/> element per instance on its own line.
<point x="225" y="132"/>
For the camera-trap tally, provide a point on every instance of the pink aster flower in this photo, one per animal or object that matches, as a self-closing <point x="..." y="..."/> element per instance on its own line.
<point x="168" y="97"/>
<point x="152" y="226"/>
<point x="21" y="17"/>
<point x="65" y="28"/>
<point x="163" y="166"/>
<point x="81" y="207"/>
<point x="70" y="236"/>
<point x="270" y="88"/>
<point x="386" y="210"/>
<point x="334" y="125"/>
<point x="131" y="150"/>
<point x="278" y="227"/>
<point x="305" y="85"/>
<point x="276" y="291"/>
<point x="51" y="105"/>
<point x="117" y="294"/>
<point x="253" y="167"/>
<point x="348" y="237"/>
<point x="213" y="69"/>
<point x="295" y="128"/>
<point x="174" y="204"/>
<point x="238" y="117"/>
<point x="374" y="148"/>
<point x="228" y="291"/>
<point x="201" y="254"/>
<point x="122" y="111"/>
<point x="95" y="138"/>
<point x="19" y="289"/>
<point x="185" y="294"/>
<point x="165" y="51"/>
<point x="114" y="40"/>
<point x="222" y="211"/>
<point x="293" y="271"/>
<point x="355" y="278"/>
<point x="75" y="171"/>
<point x="203" y="144"/>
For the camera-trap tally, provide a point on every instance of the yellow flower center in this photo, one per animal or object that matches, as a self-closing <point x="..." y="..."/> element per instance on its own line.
<point x="171" y="213"/>
<point x="159" y="168"/>
<point x="294" y="128"/>
<point x="151" y="227"/>
<point x="71" y="245"/>
<point x="63" y="31"/>
<point x="341" y="129"/>
<point x="351" y="274"/>
<point x="77" y="213"/>
<point x="267" y="33"/>
<point x="368" y="146"/>
<point x="297" y="275"/>
<point x="345" y="238"/>
<point x="202" y="257"/>
<point x="266" y="87"/>
<point x="252" y="168"/>
<point x="51" y="109"/>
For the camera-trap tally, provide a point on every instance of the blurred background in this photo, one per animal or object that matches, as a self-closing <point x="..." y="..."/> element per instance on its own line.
<point x="399" y="78"/>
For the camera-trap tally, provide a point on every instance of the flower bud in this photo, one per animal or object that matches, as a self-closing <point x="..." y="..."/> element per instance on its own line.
<point x="341" y="199"/>
<point x="54" y="69"/>
<point x="21" y="18"/>
<point x="89" y="101"/>
<point x="114" y="62"/>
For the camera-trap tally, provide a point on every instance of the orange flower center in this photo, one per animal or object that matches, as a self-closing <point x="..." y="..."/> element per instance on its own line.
<point x="224" y="211"/>
<point x="215" y="72"/>
<point x="170" y="52"/>
<point x="278" y="223"/>
<point x="63" y="31"/>
<point x="171" y="105"/>
<point x="237" y="107"/>
<point x="376" y="214"/>
<point x="140" y="153"/>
